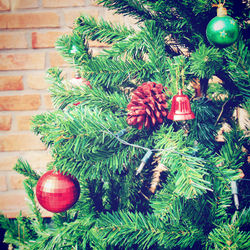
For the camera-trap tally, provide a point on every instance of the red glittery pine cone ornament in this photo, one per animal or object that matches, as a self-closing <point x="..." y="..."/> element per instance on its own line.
<point x="57" y="192"/>
<point x="148" y="106"/>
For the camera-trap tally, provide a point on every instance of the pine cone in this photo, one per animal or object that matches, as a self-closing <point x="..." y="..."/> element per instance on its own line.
<point x="147" y="106"/>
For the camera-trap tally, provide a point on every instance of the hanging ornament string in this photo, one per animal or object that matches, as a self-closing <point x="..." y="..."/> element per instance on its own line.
<point x="177" y="80"/>
<point x="182" y="77"/>
<point x="221" y="11"/>
<point x="219" y="4"/>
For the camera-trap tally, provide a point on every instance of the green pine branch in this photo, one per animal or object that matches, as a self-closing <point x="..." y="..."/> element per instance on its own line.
<point x="81" y="140"/>
<point x="77" y="234"/>
<point x="228" y="236"/>
<point x="19" y="231"/>
<point x="203" y="128"/>
<point x="205" y="61"/>
<point x="101" y="30"/>
<point x="112" y="74"/>
<point x="132" y="8"/>
<point x="128" y="230"/>
<point x="166" y="203"/>
<point x="74" y="49"/>
<point x="187" y="170"/>
<point x="237" y="67"/>
<point x="65" y="94"/>
<point x="23" y="167"/>
<point x="38" y="220"/>
<point x="231" y="157"/>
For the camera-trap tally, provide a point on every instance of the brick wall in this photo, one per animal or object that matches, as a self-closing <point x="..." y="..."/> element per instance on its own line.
<point x="28" y="31"/>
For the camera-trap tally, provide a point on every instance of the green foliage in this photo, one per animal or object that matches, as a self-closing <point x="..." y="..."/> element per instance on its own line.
<point x="187" y="171"/>
<point x="137" y="230"/>
<point x="128" y="7"/>
<point x="18" y="232"/>
<point x="228" y="237"/>
<point x="205" y="62"/>
<point x="23" y="167"/>
<point x="231" y="155"/>
<point x="74" y="49"/>
<point x="102" y="30"/>
<point x="237" y="67"/>
<point x="203" y="126"/>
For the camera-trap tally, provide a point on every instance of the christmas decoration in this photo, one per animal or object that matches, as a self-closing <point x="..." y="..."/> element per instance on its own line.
<point x="148" y="105"/>
<point x="234" y="190"/>
<point x="222" y="30"/>
<point x="180" y="108"/>
<point x="57" y="192"/>
<point x="77" y="103"/>
<point x="79" y="81"/>
<point x="177" y="198"/>
<point x="144" y="161"/>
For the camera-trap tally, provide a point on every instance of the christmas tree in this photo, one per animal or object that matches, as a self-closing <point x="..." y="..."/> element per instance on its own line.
<point x="150" y="171"/>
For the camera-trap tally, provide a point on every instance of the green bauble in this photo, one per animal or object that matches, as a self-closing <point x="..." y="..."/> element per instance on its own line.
<point x="222" y="31"/>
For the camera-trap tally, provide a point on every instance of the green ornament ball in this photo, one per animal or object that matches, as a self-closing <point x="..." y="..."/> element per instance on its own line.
<point x="222" y="31"/>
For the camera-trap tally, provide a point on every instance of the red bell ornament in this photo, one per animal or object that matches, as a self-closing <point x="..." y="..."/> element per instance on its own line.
<point x="180" y="109"/>
<point x="57" y="192"/>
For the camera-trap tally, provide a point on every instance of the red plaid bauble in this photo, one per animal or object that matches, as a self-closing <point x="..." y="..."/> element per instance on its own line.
<point x="57" y="192"/>
<point x="148" y="105"/>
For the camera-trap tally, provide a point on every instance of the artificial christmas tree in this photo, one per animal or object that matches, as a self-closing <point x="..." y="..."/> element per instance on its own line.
<point x="168" y="186"/>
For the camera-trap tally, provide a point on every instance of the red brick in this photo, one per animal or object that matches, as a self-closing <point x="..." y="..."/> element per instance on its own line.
<point x="131" y="22"/>
<point x="71" y="15"/>
<point x="37" y="159"/>
<point x="94" y="3"/>
<point x="63" y="3"/>
<point x="24" y="102"/>
<point x="5" y="122"/>
<point x="29" y="20"/>
<point x="23" y="122"/>
<point x="3" y="183"/>
<point x="11" y="83"/>
<point x="15" y="40"/>
<point x="16" y="181"/>
<point x="20" y="142"/>
<point x="4" y="5"/>
<point x="12" y="200"/>
<point x="22" y="61"/>
<point x="45" y="39"/>
<point x="48" y="102"/>
<point x="24" y="4"/>
<point x="13" y="213"/>
<point x="37" y="81"/>
<point x="113" y="18"/>
<point x="7" y="162"/>
<point x="56" y="60"/>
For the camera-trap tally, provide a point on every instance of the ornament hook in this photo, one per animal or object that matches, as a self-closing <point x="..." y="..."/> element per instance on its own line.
<point x="221" y="11"/>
